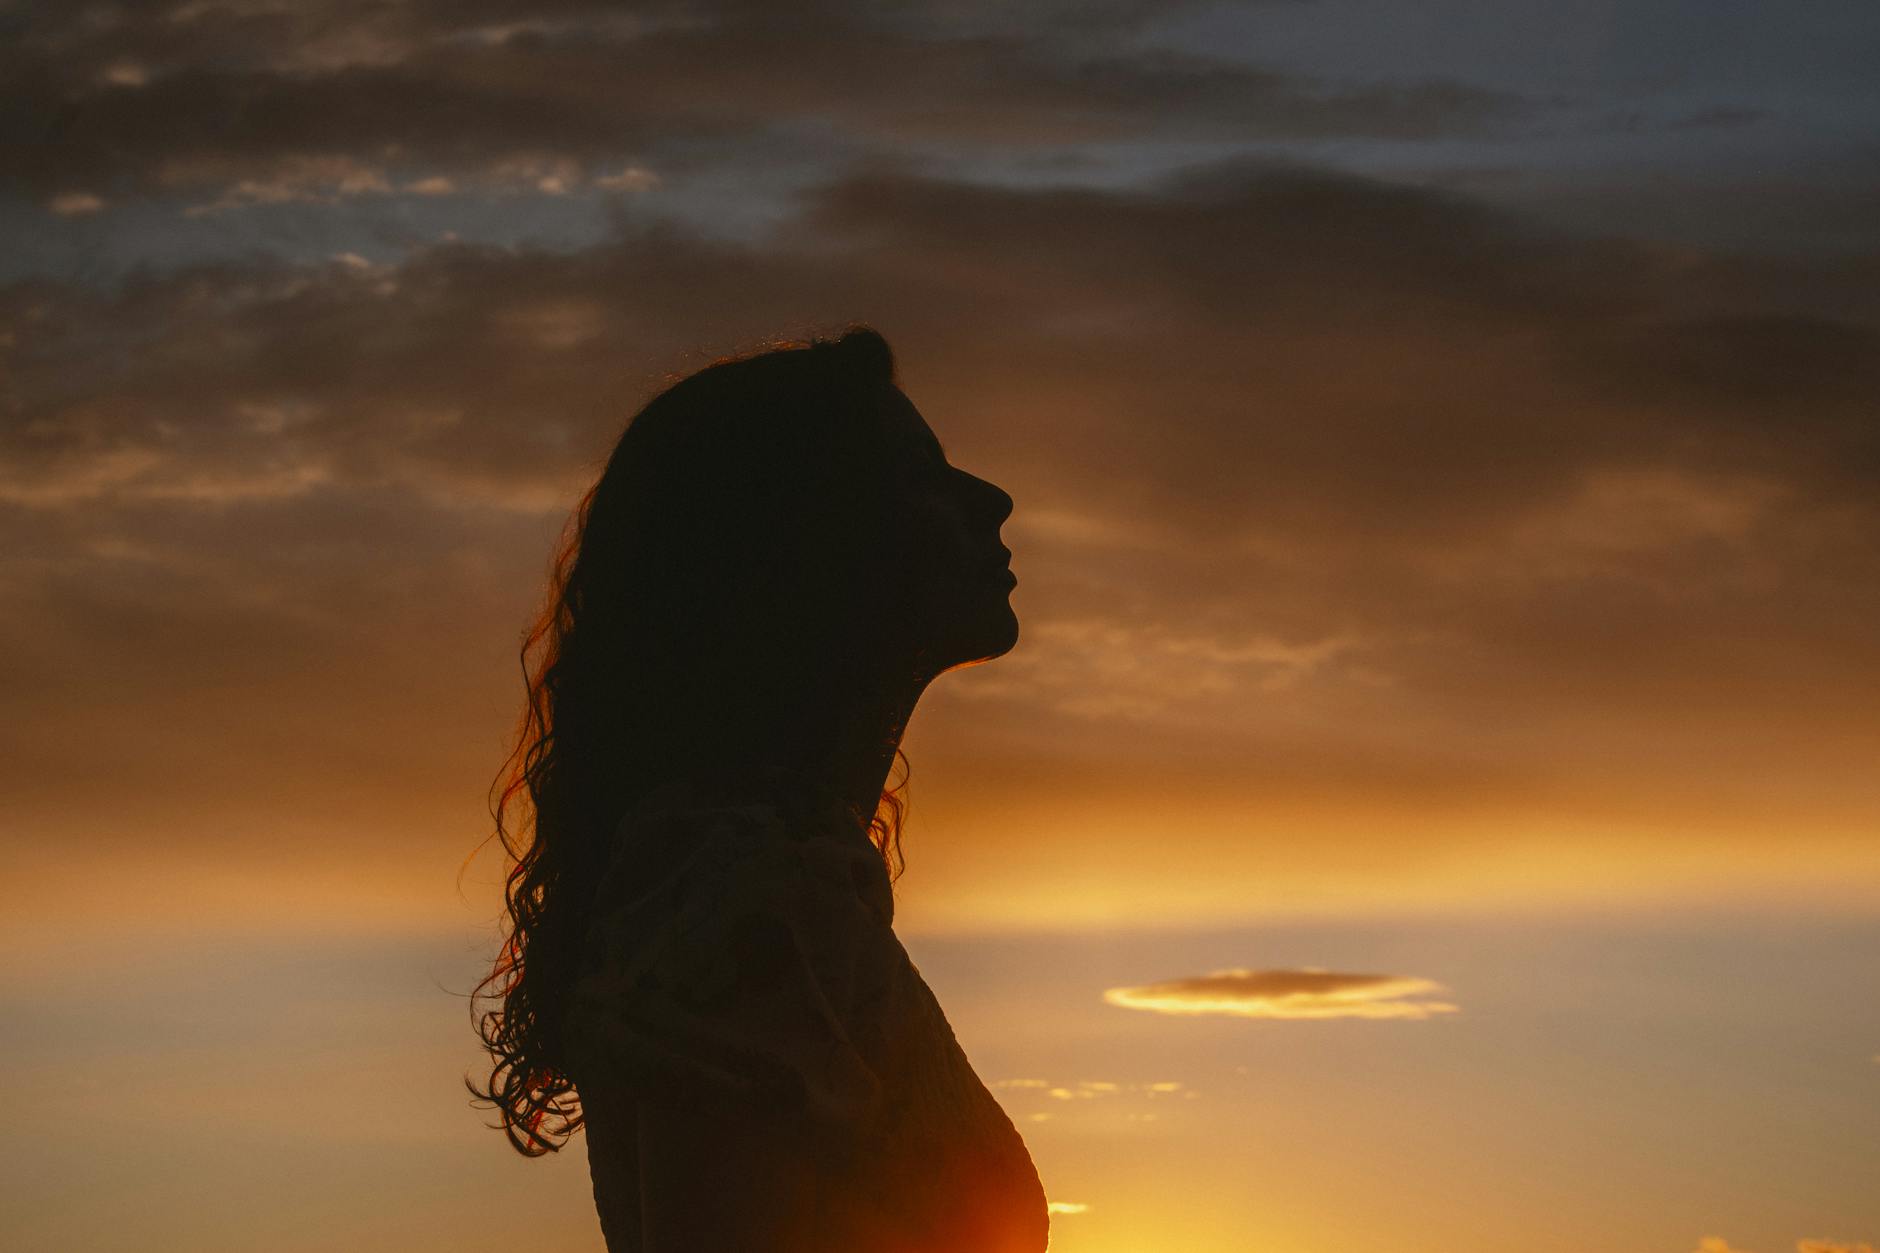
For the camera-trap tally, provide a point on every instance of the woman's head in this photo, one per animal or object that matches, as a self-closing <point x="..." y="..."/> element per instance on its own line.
<point x="775" y="561"/>
<point x="775" y="528"/>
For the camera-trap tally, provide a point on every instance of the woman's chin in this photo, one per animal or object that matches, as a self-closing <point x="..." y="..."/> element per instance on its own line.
<point x="991" y="638"/>
<point x="1000" y="636"/>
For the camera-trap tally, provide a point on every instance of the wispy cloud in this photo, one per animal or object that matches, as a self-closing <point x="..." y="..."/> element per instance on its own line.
<point x="1717" y="1244"/>
<point x="1087" y="1089"/>
<point x="1287" y="994"/>
<point x="1093" y="1100"/>
<point x="73" y="204"/>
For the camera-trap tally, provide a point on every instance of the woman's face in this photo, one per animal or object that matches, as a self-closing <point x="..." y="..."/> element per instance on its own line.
<point x="962" y="577"/>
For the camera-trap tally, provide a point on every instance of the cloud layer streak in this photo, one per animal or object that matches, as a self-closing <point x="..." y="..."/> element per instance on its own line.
<point x="259" y="103"/>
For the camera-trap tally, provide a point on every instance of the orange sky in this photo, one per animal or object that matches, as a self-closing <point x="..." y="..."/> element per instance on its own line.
<point x="1444" y="453"/>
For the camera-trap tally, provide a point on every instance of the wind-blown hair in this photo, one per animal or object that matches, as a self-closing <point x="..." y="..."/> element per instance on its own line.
<point x="728" y="578"/>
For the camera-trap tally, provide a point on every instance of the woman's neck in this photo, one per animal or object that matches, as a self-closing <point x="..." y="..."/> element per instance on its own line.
<point x="852" y="759"/>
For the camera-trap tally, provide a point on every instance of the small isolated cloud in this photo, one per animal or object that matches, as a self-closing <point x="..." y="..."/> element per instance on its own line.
<point x="124" y="74"/>
<point x="633" y="178"/>
<point x="1287" y="994"/>
<point x="1067" y="1207"/>
<point x="73" y="204"/>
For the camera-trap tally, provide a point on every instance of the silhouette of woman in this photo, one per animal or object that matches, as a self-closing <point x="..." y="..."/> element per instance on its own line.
<point x="701" y="968"/>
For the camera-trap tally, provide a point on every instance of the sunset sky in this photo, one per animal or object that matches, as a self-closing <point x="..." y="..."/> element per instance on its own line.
<point x="1433" y="803"/>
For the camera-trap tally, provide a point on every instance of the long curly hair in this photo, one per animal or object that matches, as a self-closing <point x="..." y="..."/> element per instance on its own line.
<point x="732" y="573"/>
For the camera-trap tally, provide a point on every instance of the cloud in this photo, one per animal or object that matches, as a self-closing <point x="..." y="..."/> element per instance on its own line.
<point x="1717" y="1244"/>
<point x="233" y="98"/>
<point x="295" y="179"/>
<point x="73" y="204"/>
<point x="1093" y="1102"/>
<point x="1361" y="470"/>
<point x="435" y="185"/>
<point x="1301" y="994"/>
<point x="1089" y="1089"/>
<point x="630" y="178"/>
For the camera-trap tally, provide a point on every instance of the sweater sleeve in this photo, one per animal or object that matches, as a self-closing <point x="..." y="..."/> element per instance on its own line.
<point x="747" y="977"/>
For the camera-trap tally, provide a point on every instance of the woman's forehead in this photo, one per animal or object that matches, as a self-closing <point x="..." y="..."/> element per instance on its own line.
<point x="903" y="421"/>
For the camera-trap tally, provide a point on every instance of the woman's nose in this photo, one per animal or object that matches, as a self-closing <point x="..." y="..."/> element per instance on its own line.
<point x="997" y="503"/>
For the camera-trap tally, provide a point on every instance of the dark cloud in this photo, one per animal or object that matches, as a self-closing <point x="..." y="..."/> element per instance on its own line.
<point x="324" y="99"/>
<point x="1328" y="488"/>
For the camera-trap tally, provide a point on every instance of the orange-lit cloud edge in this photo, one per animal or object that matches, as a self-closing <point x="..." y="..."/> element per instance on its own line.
<point x="1287" y="994"/>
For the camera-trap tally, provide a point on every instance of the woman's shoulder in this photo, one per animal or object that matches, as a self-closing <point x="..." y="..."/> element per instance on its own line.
<point x="742" y="946"/>
<point x="680" y="852"/>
